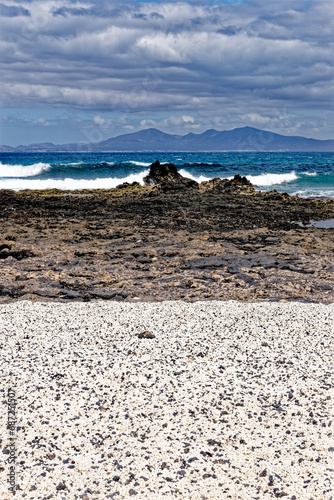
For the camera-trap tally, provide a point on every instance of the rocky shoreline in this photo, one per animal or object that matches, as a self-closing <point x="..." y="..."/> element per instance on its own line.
<point x="173" y="239"/>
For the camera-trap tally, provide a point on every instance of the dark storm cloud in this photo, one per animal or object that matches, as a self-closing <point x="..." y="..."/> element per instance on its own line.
<point x="254" y="61"/>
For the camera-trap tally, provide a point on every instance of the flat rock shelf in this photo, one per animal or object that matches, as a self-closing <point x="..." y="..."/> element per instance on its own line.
<point x="177" y="240"/>
<point x="206" y="400"/>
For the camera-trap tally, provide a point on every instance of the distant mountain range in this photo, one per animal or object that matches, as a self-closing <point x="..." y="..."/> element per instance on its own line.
<point x="239" y="139"/>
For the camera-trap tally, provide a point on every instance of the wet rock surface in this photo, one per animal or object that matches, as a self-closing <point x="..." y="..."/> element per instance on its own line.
<point x="173" y="240"/>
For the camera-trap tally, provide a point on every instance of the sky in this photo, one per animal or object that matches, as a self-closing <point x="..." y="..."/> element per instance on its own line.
<point x="81" y="71"/>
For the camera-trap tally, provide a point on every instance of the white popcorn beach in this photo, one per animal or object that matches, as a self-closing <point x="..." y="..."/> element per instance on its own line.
<point x="214" y="400"/>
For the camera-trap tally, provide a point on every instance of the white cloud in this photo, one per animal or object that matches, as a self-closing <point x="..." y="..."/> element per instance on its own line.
<point x="41" y="121"/>
<point x="173" y="123"/>
<point x="256" y="118"/>
<point x="188" y="119"/>
<point x="102" y="122"/>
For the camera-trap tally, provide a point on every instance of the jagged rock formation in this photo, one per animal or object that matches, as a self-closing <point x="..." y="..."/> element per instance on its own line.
<point x="236" y="185"/>
<point x="168" y="178"/>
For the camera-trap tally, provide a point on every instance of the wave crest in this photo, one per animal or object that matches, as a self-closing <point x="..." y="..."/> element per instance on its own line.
<point x="272" y="179"/>
<point x="23" y="170"/>
<point x="198" y="179"/>
<point x="70" y="184"/>
<point x="138" y="163"/>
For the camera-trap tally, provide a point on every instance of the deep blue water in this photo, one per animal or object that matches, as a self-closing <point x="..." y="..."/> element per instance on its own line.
<point x="305" y="174"/>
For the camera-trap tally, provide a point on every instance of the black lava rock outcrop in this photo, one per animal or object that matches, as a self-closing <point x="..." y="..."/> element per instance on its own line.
<point x="236" y="185"/>
<point x="168" y="178"/>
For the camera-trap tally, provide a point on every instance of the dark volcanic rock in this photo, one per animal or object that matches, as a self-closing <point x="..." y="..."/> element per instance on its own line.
<point x="236" y="185"/>
<point x="239" y="183"/>
<point x="126" y="185"/>
<point x="159" y="173"/>
<point x="168" y="177"/>
<point x="5" y="252"/>
<point x="218" y="240"/>
<point x="180" y="184"/>
<point x="206" y="262"/>
<point x="146" y="335"/>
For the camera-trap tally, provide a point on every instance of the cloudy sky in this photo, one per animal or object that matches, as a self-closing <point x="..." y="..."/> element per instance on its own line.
<point x="81" y="71"/>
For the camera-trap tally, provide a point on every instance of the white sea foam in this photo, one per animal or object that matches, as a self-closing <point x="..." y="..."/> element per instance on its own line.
<point x="258" y="180"/>
<point x="314" y="193"/>
<point x="81" y="162"/>
<point x="139" y="163"/>
<point x="73" y="164"/>
<point x="310" y="174"/>
<point x="203" y="162"/>
<point x="200" y="178"/>
<point x="271" y="179"/>
<point x="144" y="164"/>
<point x="70" y="183"/>
<point x="23" y="170"/>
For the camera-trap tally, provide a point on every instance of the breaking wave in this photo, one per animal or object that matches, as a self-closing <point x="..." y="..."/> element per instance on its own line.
<point x="70" y="183"/>
<point x="23" y="171"/>
<point x="199" y="178"/>
<point x="272" y="179"/>
<point x="138" y="163"/>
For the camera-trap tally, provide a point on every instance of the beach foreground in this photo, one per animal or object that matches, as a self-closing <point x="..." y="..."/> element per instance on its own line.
<point x="220" y="400"/>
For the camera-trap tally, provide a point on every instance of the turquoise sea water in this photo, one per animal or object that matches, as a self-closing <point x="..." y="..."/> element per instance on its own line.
<point x="305" y="174"/>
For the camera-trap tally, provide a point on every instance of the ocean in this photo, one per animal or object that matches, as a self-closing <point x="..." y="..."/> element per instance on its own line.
<point x="303" y="174"/>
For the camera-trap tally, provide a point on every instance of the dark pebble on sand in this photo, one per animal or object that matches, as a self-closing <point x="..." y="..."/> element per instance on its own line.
<point x="146" y="335"/>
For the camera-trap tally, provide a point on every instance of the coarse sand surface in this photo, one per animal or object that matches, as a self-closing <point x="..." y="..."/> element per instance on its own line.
<point x="220" y="400"/>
